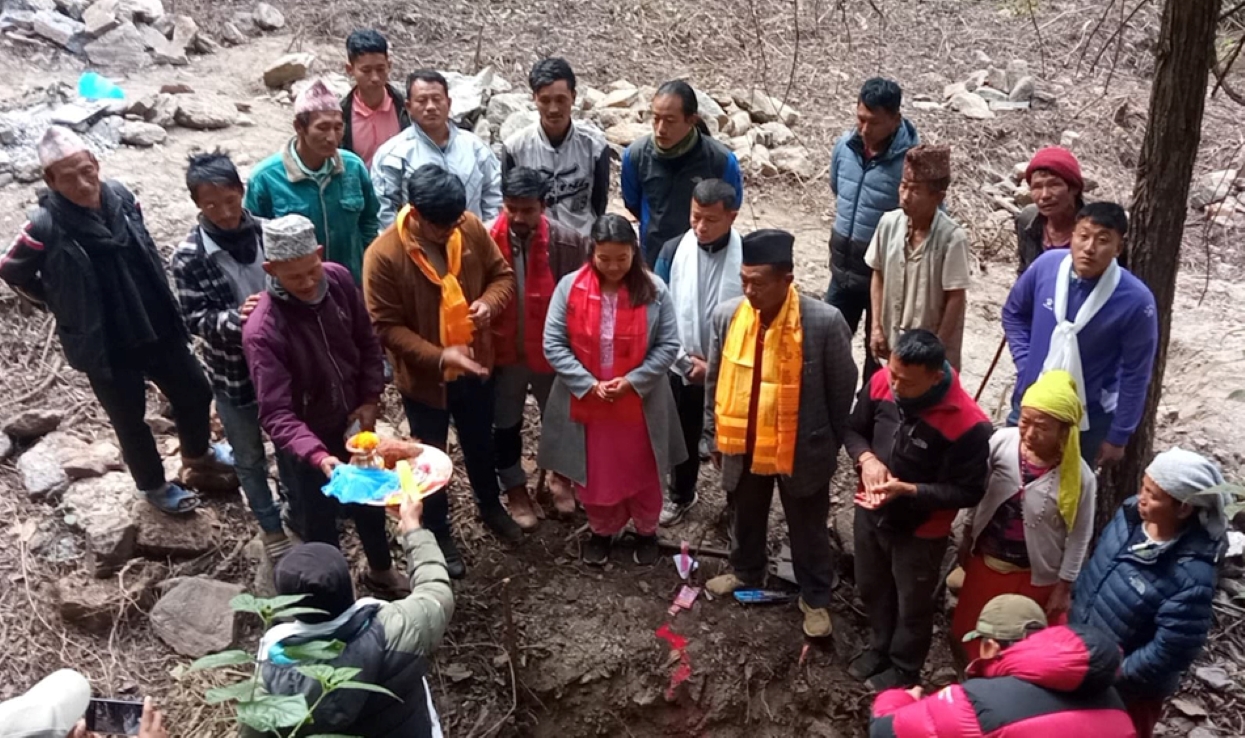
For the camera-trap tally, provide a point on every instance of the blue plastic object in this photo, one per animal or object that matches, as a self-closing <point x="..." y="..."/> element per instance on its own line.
<point x="763" y="596"/>
<point x="360" y="485"/>
<point x="93" y="86"/>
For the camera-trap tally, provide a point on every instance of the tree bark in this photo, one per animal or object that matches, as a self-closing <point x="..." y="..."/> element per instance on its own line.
<point x="1183" y="60"/>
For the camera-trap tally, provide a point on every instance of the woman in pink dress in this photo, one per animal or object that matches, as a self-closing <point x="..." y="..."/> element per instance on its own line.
<point x="611" y="337"/>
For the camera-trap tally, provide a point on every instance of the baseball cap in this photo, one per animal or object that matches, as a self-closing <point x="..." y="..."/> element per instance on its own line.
<point x="1008" y="617"/>
<point x="49" y="709"/>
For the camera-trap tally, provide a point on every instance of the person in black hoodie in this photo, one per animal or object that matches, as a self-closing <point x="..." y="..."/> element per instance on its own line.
<point x="922" y="447"/>
<point x="86" y="255"/>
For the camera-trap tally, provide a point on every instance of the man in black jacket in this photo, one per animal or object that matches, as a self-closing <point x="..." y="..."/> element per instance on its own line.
<point x="86" y="255"/>
<point x="921" y="446"/>
<point x="374" y="110"/>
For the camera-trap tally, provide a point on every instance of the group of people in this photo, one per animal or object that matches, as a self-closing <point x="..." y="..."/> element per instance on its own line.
<point x="384" y="243"/>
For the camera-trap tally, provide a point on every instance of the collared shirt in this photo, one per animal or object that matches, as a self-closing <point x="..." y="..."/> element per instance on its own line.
<point x="371" y="128"/>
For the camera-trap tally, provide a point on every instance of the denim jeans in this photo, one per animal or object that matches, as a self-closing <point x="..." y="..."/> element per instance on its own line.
<point x="469" y="402"/>
<point x="242" y="429"/>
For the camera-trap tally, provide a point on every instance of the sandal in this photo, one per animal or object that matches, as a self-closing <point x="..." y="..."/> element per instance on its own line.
<point x="276" y="547"/>
<point x="384" y="590"/>
<point x="172" y="499"/>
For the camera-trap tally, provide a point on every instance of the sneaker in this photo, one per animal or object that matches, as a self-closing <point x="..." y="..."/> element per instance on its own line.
<point x="892" y="678"/>
<point x="519" y="504"/>
<point x="725" y="584"/>
<point x="672" y="512"/>
<point x="817" y="623"/>
<point x="646" y="550"/>
<point x="454" y="565"/>
<point x="503" y="526"/>
<point x="868" y="664"/>
<point x="596" y="550"/>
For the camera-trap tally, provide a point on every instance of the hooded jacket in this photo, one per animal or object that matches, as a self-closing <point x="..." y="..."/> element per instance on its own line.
<point x="578" y="170"/>
<point x="1158" y="608"/>
<point x="1054" y="683"/>
<point x="343" y="208"/>
<point x="864" y="191"/>
<point x="312" y="365"/>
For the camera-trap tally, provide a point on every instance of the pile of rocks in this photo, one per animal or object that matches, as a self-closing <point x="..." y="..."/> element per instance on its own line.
<point x="1220" y="195"/>
<point x="987" y="91"/>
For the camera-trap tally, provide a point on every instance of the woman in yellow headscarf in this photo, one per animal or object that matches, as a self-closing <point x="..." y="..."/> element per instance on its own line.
<point x="1031" y="531"/>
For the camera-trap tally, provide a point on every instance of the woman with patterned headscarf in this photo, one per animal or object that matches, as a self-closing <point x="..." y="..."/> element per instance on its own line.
<point x="1152" y="577"/>
<point x="1030" y="533"/>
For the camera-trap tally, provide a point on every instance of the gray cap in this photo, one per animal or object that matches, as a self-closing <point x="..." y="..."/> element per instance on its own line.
<point x="289" y="237"/>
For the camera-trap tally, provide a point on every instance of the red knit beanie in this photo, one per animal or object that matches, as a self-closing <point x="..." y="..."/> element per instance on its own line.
<point x="1059" y="162"/>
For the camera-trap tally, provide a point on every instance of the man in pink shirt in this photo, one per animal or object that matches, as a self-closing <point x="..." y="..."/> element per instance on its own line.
<point x="374" y="111"/>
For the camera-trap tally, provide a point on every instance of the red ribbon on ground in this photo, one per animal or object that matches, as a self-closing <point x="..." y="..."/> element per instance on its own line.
<point x="678" y="644"/>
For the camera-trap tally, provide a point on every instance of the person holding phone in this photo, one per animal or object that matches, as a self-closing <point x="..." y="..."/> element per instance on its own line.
<point x="60" y="706"/>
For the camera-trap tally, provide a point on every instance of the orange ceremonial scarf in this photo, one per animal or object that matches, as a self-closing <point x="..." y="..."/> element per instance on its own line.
<point x="778" y="407"/>
<point x="456" y="326"/>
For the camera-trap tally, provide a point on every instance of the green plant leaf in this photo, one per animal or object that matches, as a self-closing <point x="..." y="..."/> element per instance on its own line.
<point x="290" y="612"/>
<point x="320" y="672"/>
<point x="269" y="712"/>
<point x="343" y="674"/>
<point x="368" y="688"/>
<point x="246" y="602"/>
<point x="239" y="692"/>
<point x="315" y="651"/>
<point x="224" y="658"/>
<point x="1238" y="395"/>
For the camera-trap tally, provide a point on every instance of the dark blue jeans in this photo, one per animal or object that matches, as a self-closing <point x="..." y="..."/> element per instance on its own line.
<point x="469" y="403"/>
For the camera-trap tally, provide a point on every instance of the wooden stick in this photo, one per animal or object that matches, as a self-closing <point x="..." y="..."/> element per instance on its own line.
<point x="668" y="545"/>
<point x="986" y="379"/>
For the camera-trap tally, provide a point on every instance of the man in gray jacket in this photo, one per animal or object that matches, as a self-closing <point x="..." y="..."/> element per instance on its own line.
<point x="777" y="396"/>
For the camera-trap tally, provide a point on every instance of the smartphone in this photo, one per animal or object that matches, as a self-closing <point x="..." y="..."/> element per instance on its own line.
<point x="114" y="717"/>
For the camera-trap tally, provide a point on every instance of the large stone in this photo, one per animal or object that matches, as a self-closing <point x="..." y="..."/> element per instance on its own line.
<point x="765" y="109"/>
<point x="267" y="17"/>
<point x="194" y="617"/>
<point x="57" y="28"/>
<point x="709" y="109"/>
<point x="1023" y="90"/>
<point x="141" y="134"/>
<point x="971" y="105"/>
<point x="142" y="11"/>
<point x="1210" y="188"/>
<point x="467" y="97"/>
<point x="953" y="89"/>
<point x="107" y="132"/>
<point x="165" y="113"/>
<point x="738" y="123"/>
<point x="32" y="423"/>
<point x="289" y="68"/>
<point x="41" y="472"/>
<point x="516" y="123"/>
<point x="120" y="48"/>
<point x="174" y="536"/>
<point x="624" y="98"/>
<point x="203" y="113"/>
<point x="12" y="18"/>
<point x="73" y="8"/>
<point x="152" y="38"/>
<point x="624" y="134"/>
<point x="231" y="35"/>
<point x="501" y="107"/>
<point x="245" y="22"/>
<point x="609" y="117"/>
<point x="794" y="160"/>
<point x="590" y="97"/>
<point x="185" y="33"/>
<point x="779" y="134"/>
<point x="101" y="17"/>
<point x="101" y="508"/>
<point x="96" y="604"/>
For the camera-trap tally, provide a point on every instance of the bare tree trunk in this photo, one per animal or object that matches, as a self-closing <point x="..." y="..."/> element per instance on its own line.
<point x="1177" y="101"/>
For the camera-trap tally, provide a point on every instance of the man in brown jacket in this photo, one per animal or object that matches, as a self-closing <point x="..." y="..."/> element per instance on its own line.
<point x="434" y="281"/>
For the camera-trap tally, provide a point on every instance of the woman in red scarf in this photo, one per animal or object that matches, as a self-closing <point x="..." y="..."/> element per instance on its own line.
<point x="611" y="337"/>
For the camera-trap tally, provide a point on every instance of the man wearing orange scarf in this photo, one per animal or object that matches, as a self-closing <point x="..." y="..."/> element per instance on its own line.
<point x="434" y="281"/>
<point x="541" y="252"/>
<point x="777" y="395"/>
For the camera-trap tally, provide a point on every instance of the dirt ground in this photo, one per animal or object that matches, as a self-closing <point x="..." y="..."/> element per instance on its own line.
<point x="590" y="664"/>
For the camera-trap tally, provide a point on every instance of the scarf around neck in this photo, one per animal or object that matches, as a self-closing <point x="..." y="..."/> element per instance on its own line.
<point x="456" y="328"/>
<point x="1065" y="349"/>
<point x="932" y="396"/>
<point x="778" y="407"/>
<point x="538" y="287"/>
<point x="685" y="287"/>
<point x="584" y="312"/>
<point x="1054" y="393"/>
<point x="679" y="149"/>
<point x="241" y="243"/>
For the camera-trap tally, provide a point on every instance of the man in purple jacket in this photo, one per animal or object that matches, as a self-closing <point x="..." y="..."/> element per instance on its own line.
<point x="317" y="368"/>
<point x="1078" y="310"/>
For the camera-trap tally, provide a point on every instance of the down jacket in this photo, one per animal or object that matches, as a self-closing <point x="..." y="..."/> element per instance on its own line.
<point x="1054" y="683"/>
<point x="1158" y="609"/>
<point x="864" y="191"/>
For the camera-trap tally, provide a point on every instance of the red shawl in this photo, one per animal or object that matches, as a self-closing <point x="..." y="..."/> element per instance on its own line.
<point x="538" y="289"/>
<point x="583" y="324"/>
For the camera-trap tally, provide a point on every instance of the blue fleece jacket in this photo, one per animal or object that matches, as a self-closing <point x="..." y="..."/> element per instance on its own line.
<point x="1117" y="346"/>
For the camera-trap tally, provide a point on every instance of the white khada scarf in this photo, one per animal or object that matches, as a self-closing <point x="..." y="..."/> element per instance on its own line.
<point x="685" y="287"/>
<point x="1065" y="349"/>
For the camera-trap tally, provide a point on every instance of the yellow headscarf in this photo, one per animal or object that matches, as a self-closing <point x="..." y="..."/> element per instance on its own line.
<point x="1054" y="393"/>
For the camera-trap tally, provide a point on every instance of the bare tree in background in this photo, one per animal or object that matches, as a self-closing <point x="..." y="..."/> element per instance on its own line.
<point x="1183" y="58"/>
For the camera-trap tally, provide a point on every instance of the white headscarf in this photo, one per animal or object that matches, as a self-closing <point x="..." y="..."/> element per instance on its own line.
<point x="1196" y="480"/>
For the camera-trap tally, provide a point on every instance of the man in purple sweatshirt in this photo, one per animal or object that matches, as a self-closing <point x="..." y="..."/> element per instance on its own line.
<point x="317" y="368"/>
<point x="1078" y="310"/>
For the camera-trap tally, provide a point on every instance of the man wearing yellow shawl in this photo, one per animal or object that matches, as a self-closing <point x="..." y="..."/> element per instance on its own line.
<point x="434" y="280"/>
<point x="1029" y="535"/>
<point x="777" y="396"/>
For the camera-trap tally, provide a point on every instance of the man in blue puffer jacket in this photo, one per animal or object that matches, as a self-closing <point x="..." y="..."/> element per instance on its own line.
<point x="864" y="175"/>
<point x="1152" y="578"/>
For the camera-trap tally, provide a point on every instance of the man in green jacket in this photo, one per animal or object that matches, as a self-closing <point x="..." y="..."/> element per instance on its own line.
<point x="312" y="177"/>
